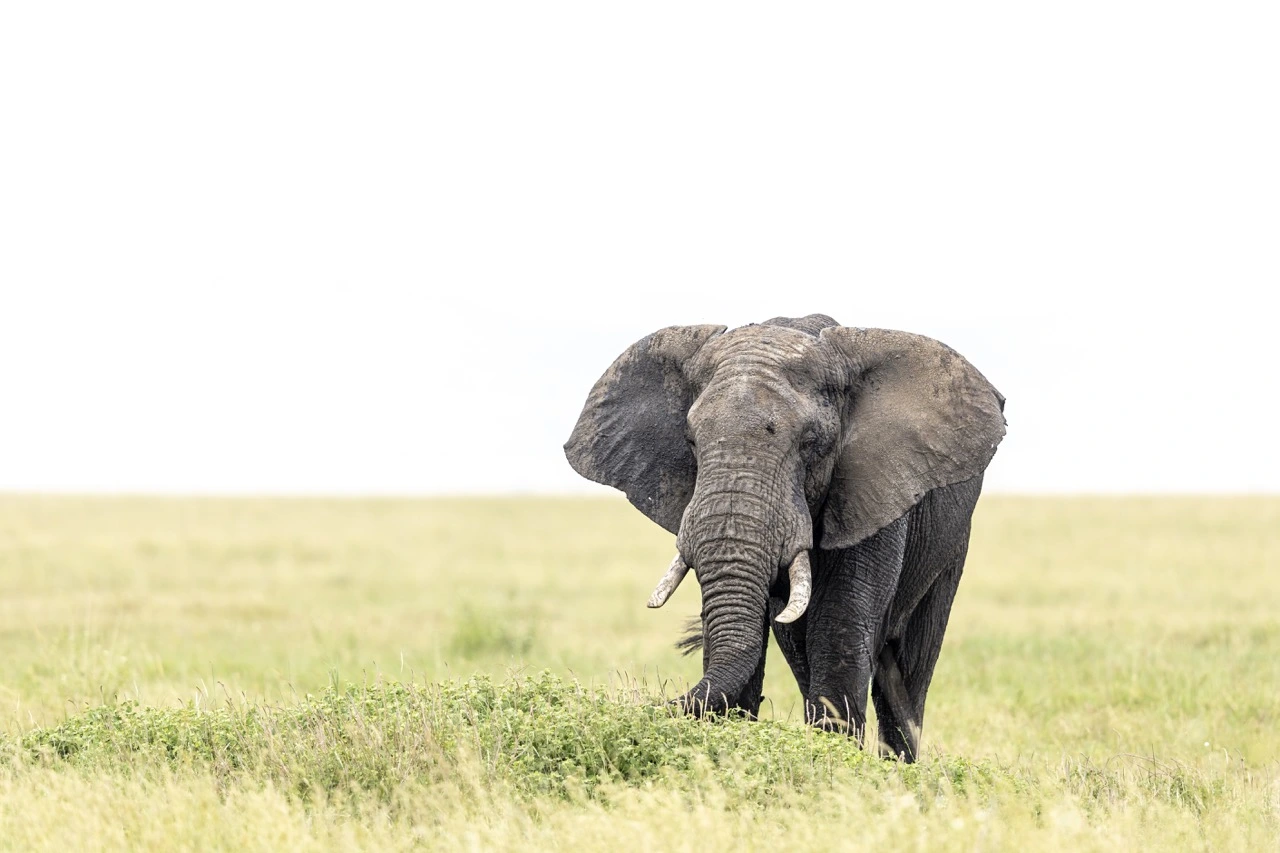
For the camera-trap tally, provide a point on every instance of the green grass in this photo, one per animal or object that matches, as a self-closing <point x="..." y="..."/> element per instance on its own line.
<point x="537" y="736"/>
<point x="302" y="674"/>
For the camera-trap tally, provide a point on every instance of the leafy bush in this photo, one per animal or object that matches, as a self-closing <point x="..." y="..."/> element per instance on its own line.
<point x="539" y="736"/>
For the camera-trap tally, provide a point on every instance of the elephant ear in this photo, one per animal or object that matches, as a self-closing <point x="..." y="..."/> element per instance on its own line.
<point x="631" y="433"/>
<point x="919" y="416"/>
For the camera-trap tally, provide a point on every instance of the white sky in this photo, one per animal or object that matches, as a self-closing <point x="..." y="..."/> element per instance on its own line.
<point x="389" y="247"/>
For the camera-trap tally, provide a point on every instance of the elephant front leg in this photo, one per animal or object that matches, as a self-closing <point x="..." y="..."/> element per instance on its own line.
<point x="790" y="637"/>
<point x="846" y="624"/>
<point x="840" y="667"/>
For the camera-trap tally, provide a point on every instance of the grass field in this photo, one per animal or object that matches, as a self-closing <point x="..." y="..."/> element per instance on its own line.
<point x="297" y="674"/>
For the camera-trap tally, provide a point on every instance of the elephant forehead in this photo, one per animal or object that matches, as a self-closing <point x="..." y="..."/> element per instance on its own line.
<point x="761" y="346"/>
<point x="749" y="398"/>
<point x="775" y="340"/>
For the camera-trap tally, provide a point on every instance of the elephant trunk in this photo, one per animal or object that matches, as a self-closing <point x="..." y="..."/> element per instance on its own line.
<point x="734" y="609"/>
<point x="735" y="539"/>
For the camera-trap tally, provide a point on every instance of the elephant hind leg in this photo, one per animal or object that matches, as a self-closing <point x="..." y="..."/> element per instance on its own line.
<point x="895" y="710"/>
<point x="906" y="664"/>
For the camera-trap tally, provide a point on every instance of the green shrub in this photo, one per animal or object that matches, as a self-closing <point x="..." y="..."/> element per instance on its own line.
<point x="539" y="736"/>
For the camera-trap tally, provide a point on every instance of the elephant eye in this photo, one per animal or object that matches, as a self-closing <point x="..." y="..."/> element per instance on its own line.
<point x="813" y="442"/>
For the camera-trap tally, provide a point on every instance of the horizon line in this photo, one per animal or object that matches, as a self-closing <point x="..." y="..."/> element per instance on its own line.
<point x="274" y="494"/>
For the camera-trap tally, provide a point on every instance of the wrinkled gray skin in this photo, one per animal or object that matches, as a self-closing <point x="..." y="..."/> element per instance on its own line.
<point x="863" y="447"/>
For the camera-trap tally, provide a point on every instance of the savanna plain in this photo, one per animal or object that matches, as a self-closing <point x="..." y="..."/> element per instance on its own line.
<point x="268" y="674"/>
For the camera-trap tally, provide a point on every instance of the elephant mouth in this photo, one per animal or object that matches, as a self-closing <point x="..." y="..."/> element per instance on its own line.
<point x="730" y="656"/>
<point x="800" y="573"/>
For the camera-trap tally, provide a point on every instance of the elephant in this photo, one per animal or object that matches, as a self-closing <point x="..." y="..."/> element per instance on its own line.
<point x="820" y="480"/>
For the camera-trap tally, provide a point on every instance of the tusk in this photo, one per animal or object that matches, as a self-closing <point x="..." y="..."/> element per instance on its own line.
<point x="675" y="573"/>
<point x="801" y="584"/>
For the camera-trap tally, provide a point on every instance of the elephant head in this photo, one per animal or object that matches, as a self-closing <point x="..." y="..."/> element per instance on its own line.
<point x="756" y="445"/>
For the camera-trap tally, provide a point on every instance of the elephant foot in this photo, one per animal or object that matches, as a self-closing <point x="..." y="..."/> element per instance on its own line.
<point x="900" y="745"/>
<point x="828" y="717"/>
<point x="890" y="753"/>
